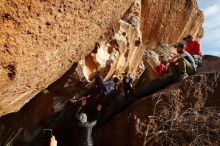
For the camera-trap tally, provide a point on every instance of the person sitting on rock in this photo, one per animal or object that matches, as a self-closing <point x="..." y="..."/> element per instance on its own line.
<point x="110" y="86"/>
<point x="183" y="64"/>
<point x="127" y="83"/>
<point x="194" y="49"/>
<point x="161" y="69"/>
<point x="86" y="126"/>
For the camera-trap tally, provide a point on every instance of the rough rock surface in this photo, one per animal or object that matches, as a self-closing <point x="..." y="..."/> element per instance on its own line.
<point x="48" y="109"/>
<point x="151" y="60"/>
<point x="40" y="40"/>
<point x="168" y="21"/>
<point x="35" y="115"/>
<point x="130" y="127"/>
<point x="121" y="52"/>
<point x="26" y="71"/>
<point x="115" y="54"/>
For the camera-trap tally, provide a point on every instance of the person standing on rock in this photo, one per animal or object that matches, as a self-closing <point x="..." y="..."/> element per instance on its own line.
<point x="85" y="137"/>
<point x="110" y="86"/>
<point x="127" y="83"/>
<point x="194" y="49"/>
<point x="183" y="64"/>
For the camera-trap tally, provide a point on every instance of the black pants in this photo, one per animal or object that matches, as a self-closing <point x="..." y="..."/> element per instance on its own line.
<point x="128" y="91"/>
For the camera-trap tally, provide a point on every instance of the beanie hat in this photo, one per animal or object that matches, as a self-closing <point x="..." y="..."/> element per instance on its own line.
<point x="179" y="45"/>
<point x="83" y="118"/>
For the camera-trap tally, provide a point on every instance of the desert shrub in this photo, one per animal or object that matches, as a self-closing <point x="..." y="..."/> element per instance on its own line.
<point x="189" y="127"/>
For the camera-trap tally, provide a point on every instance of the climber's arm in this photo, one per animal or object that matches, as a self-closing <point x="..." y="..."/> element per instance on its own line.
<point x="84" y="102"/>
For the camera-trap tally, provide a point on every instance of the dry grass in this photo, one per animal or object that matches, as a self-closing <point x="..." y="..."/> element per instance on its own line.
<point x="189" y="128"/>
<point x="7" y="136"/>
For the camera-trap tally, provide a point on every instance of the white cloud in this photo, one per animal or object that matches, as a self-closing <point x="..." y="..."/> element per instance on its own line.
<point x="216" y="53"/>
<point x="212" y="10"/>
<point x="211" y="40"/>
<point x="212" y="17"/>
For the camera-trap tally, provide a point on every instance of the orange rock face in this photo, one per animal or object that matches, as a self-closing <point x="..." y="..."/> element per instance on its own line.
<point x="168" y="21"/>
<point x="40" y="40"/>
<point x="121" y="52"/>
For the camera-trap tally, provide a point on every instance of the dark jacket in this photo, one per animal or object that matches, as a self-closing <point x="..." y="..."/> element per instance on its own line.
<point x="85" y="137"/>
<point x="97" y="87"/>
<point x="127" y="82"/>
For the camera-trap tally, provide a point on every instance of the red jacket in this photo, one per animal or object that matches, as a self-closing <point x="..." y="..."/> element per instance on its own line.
<point x="193" y="48"/>
<point x="160" y="69"/>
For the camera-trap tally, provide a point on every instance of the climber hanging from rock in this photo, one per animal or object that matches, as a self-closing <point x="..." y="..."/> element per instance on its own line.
<point x="127" y="83"/>
<point x="86" y="126"/>
<point x="194" y="49"/>
<point x="183" y="64"/>
<point x="97" y="87"/>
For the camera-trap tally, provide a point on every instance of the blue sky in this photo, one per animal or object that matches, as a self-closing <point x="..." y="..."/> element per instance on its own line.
<point x="211" y="40"/>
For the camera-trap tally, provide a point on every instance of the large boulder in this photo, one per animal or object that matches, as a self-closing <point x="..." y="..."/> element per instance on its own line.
<point x="168" y="21"/>
<point x="121" y="52"/>
<point x="162" y="117"/>
<point x="86" y="32"/>
<point x="40" y="40"/>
